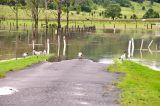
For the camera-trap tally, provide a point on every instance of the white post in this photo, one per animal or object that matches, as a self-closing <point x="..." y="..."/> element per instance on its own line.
<point x="64" y="48"/>
<point x="58" y="46"/>
<point x="141" y="45"/>
<point x="132" y="51"/>
<point x="41" y="37"/>
<point x="28" y="36"/>
<point x="33" y="46"/>
<point x="129" y="49"/>
<point x="156" y="47"/>
<point x="48" y="46"/>
<point x="150" y="44"/>
<point x="55" y="32"/>
<point x="114" y="30"/>
<point x="149" y="47"/>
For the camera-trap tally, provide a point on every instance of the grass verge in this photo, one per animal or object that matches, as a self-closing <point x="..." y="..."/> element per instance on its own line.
<point x="140" y="86"/>
<point x="13" y="65"/>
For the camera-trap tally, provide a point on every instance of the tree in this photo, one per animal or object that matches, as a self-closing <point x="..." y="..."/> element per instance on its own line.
<point x="52" y="5"/>
<point x="86" y="5"/>
<point x="46" y="14"/>
<point x="23" y="2"/>
<point x="151" y="14"/>
<point x="59" y="12"/>
<point x="67" y="4"/>
<point x="123" y="3"/>
<point x="86" y="8"/>
<point x="14" y="5"/>
<point x="151" y="2"/>
<point x="113" y="11"/>
<point x="34" y="7"/>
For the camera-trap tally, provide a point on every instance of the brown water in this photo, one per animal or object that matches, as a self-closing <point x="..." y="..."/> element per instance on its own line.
<point x="102" y="46"/>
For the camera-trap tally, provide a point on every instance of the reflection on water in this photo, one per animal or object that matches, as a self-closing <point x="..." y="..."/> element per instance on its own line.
<point x="103" y="46"/>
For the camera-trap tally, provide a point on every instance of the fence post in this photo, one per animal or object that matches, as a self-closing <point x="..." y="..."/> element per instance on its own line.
<point x="48" y="46"/>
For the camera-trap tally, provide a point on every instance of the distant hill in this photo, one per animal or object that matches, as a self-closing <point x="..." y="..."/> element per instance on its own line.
<point x="134" y="8"/>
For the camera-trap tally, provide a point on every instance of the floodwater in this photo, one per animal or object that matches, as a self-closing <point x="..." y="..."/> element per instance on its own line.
<point x="102" y="46"/>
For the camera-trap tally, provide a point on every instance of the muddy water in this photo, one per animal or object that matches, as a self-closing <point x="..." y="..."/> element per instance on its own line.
<point x="102" y="46"/>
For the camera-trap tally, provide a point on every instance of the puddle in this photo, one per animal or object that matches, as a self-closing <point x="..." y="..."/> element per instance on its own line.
<point x="106" y="61"/>
<point x="78" y="94"/>
<point x="7" y="90"/>
<point x="78" y="88"/>
<point x="78" y="84"/>
<point x="84" y="103"/>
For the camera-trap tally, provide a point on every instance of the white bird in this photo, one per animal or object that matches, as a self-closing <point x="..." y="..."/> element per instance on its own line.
<point x="37" y="52"/>
<point x="80" y="55"/>
<point x="44" y="52"/>
<point x="25" y="55"/>
<point x="123" y="56"/>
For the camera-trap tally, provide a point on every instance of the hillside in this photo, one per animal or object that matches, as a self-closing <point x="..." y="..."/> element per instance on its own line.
<point x="6" y="12"/>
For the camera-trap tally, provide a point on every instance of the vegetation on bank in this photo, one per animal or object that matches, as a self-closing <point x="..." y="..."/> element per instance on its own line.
<point x="140" y="86"/>
<point x="13" y="65"/>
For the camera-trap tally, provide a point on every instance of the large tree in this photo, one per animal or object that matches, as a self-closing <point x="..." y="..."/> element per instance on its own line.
<point x="113" y="11"/>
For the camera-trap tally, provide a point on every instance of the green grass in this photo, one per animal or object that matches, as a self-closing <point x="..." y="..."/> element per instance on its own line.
<point x="138" y="9"/>
<point x="7" y="12"/>
<point x="13" y="65"/>
<point x="140" y="86"/>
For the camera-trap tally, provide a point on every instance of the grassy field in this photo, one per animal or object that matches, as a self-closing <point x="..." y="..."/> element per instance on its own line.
<point x="140" y="86"/>
<point x="7" y="12"/>
<point x="81" y="19"/>
<point x="13" y="65"/>
<point x="138" y="9"/>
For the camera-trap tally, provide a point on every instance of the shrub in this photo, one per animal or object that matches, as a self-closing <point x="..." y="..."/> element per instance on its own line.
<point x="125" y="17"/>
<point x="151" y="14"/>
<point x="52" y="5"/>
<point x="134" y="16"/>
<point x="86" y="8"/>
<point x="143" y="8"/>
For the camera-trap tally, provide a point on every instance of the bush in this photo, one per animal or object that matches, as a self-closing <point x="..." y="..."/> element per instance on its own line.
<point x="123" y="3"/>
<point x="125" y="17"/>
<point x="100" y="14"/>
<point x="151" y="14"/>
<point x="134" y="16"/>
<point x="86" y="8"/>
<point x="53" y="25"/>
<point x="77" y="12"/>
<point x="143" y="8"/>
<point x="72" y="13"/>
<point x="52" y="5"/>
<point x="23" y="2"/>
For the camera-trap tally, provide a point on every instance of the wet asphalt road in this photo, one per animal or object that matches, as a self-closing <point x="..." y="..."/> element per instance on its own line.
<point x="67" y="83"/>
